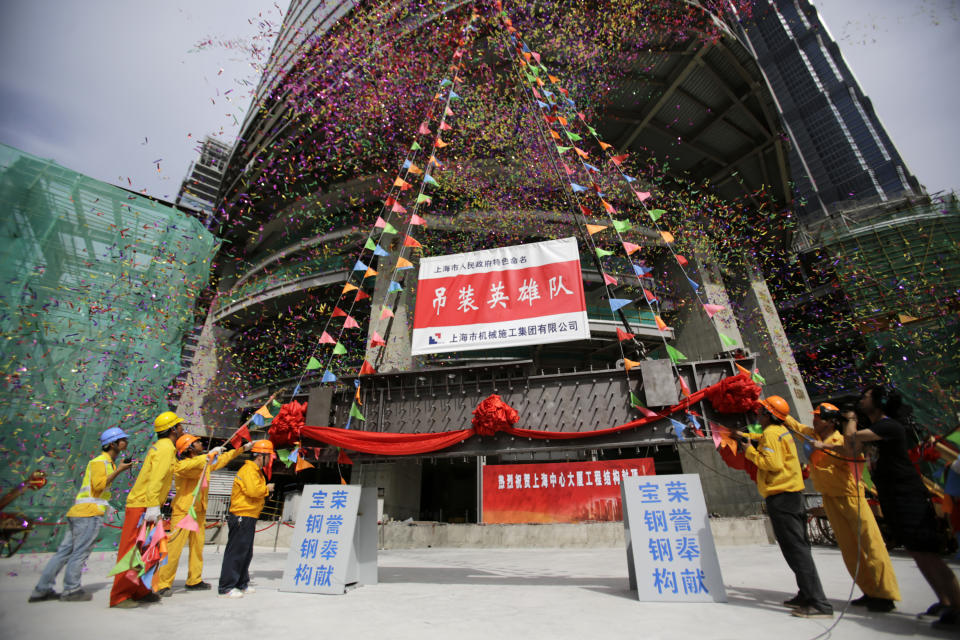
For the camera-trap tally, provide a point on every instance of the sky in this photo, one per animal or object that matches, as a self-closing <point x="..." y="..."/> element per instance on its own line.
<point x="121" y="91"/>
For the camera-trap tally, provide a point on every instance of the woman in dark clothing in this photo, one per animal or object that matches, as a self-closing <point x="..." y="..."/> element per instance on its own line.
<point x="904" y="499"/>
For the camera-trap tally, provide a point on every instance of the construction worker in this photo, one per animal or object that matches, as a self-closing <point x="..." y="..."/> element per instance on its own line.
<point x="837" y="479"/>
<point x="143" y="504"/>
<point x="84" y="518"/>
<point x="250" y="491"/>
<point x="780" y="482"/>
<point x="191" y="469"/>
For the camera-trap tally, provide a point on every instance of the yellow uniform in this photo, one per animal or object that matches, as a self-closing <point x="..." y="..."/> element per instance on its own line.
<point x="776" y="458"/>
<point x="187" y="473"/>
<point x="249" y="491"/>
<point x="156" y="474"/>
<point x="850" y="517"/>
<point x="93" y="495"/>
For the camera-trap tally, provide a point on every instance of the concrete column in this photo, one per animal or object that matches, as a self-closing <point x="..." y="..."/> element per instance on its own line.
<point x="400" y="482"/>
<point x="397" y="330"/>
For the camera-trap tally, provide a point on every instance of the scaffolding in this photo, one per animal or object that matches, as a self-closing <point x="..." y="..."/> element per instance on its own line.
<point x="98" y="289"/>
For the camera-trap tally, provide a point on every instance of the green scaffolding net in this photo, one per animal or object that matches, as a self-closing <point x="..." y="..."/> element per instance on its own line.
<point x="97" y="291"/>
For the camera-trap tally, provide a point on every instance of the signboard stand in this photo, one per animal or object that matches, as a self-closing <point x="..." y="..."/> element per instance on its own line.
<point x="671" y="556"/>
<point x="334" y="543"/>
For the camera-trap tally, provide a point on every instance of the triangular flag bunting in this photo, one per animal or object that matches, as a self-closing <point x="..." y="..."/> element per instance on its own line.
<point x="377" y="340"/>
<point x="328" y="376"/>
<point x="326" y="338"/>
<point x="386" y="313"/>
<point x="630" y="364"/>
<point x="675" y="355"/>
<point x="622" y="225"/>
<point x="619" y="303"/>
<point x="410" y="242"/>
<point x="366" y="369"/>
<point x="609" y="279"/>
<point x="339" y="349"/>
<point x="603" y="252"/>
<point x="595" y="228"/>
<point x="313" y="364"/>
<point x="415" y="219"/>
<point x="403" y="263"/>
<point x="350" y="323"/>
<point x="712" y="309"/>
<point x="623" y="335"/>
<point x="355" y="412"/>
<point x="667" y="236"/>
<point x="656" y="213"/>
<point x="727" y="340"/>
<point x="629" y="247"/>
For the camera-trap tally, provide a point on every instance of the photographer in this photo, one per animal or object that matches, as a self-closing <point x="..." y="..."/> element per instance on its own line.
<point x="838" y="479"/>
<point x="84" y="518"/>
<point x="780" y="482"/>
<point x="904" y="498"/>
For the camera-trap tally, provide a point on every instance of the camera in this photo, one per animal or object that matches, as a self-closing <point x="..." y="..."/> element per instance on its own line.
<point x="127" y="460"/>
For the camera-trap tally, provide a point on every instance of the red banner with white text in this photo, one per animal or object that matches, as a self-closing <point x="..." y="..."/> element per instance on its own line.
<point x="504" y="297"/>
<point x="557" y="492"/>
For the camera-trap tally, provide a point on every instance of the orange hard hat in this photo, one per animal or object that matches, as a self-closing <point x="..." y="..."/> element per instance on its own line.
<point x="262" y="446"/>
<point x="777" y="406"/>
<point x="184" y="442"/>
<point x="826" y="406"/>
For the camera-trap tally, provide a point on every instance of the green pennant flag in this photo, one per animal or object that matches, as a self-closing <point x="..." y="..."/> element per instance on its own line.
<point x="622" y="225"/>
<point x="656" y="213"/>
<point x="634" y="400"/>
<point x="727" y="340"/>
<point x="130" y="560"/>
<point x="193" y="512"/>
<point x="563" y="149"/>
<point x="276" y="404"/>
<point x="574" y="136"/>
<point x="370" y="245"/>
<point x="423" y="198"/>
<point x="284" y="456"/>
<point x="675" y="355"/>
<point x="759" y="379"/>
<point x="389" y="228"/>
<point x="415" y="146"/>
<point x="603" y="252"/>
<point x="338" y="350"/>
<point x="313" y="364"/>
<point x="593" y="131"/>
<point x="355" y="412"/>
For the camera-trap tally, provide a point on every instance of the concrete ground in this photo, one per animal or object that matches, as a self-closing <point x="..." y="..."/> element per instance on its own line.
<point x="468" y="593"/>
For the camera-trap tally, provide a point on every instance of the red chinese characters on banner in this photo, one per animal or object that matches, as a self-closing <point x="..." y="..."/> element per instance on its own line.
<point x="504" y="297"/>
<point x="557" y="492"/>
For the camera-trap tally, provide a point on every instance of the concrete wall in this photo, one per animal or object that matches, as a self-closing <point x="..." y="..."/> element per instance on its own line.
<point x="424" y="535"/>
<point x="728" y="492"/>
<point x="400" y="482"/>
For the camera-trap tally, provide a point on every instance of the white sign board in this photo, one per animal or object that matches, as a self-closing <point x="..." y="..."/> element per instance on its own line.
<point x="503" y="297"/>
<point x="321" y="549"/>
<point x="670" y="552"/>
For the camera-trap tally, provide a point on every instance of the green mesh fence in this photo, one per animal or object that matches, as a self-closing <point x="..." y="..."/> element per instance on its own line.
<point x="97" y="288"/>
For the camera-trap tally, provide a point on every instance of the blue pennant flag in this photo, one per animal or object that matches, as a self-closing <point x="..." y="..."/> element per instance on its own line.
<point x="591" y="167"/>
<point x="394" y="286"/>
<point x="296" y="390"/>
<point x="258" y="419"/>
<point x="547" y="93"/>
<point x="360" y="266"/>
<point x="571" y="103"/>
<point x="693" y="284"/>
<point x="577" y="188"/>
<point x="406" y="164"/>
<point x="380" y="251"/>
<point x="541" y="104"/>
<point x="293" y="455"/>
<point x="328" y="376"/>
<point x="628" y="178"/>
<point x="454" y="96"/>
<point x="619" y="303"/>
<point x="641" y="271"/>
<point x="678" y="428"/>
<point x="429" y="180"/>
<point x="445" y="82"/>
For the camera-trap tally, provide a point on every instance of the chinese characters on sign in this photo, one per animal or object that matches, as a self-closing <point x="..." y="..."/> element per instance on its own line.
<point x="557" y="492"/>
<point x="505" y="297"/>
<point x="670" y="548"/>
<point x="321" y="546"/>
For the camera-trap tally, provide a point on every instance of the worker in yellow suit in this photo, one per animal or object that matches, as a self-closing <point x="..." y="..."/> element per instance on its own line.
<point x="852" y="521"/>
<point x="192" y="468"/>
<point x="147" y="495"/>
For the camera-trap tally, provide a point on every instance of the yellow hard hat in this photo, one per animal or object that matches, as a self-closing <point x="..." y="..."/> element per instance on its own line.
<point x="166" y="420"/>
<point x="777" y="407"/>
<point x="262" y="446"/>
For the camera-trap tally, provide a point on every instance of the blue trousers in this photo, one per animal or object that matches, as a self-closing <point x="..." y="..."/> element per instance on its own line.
<point x="72" y="552"/>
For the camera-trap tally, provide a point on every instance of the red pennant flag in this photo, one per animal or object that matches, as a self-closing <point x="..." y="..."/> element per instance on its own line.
<point x="397" y="208"/>
<point x="445" y="127"/>
<point x="362" y="295"/>
<point x="608" y="279"/>
<point x="386" y="313"/>
<point x="410" y="242"/>
<point x="389" y="202"/>
<point x="415" y="219"/>
<point x="242" y="435"/>
<point x="381" y="223"/>
<point x="618" y="159"/>
<point x="366" y="369"/>
<point x="342" y="458"/>
<point x="641" y="195"/>
<point x="350" y="323"/>
<point x="424" y="129"/>
<point x="649" y="295"/>
<point x="325" y="338"/>
<point x="623" y="335"/>
<point x="377" y="340"/>
<point x="338" y="313"/>
<point x="682" y="261"/>
<point x="684" y="389"/>
<point x="630" y="247"/>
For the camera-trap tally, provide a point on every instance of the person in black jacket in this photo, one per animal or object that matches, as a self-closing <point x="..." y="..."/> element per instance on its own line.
<point x="904" y="499"/>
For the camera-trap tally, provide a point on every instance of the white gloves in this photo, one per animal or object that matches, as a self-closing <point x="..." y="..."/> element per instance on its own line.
<point x="216" y="451"/>
<point x="152" y="514"/>
<point x="248" y="446"/>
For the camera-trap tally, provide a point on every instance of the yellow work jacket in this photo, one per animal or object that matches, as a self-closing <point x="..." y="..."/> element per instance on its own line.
<point x="92" y="498"/>
<point x="186" y="475"/>
<point x="831" y="476"/>
<point x="156" y="474"/>
<point x="777" y="462"/>
<point x="249" y="491"/>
